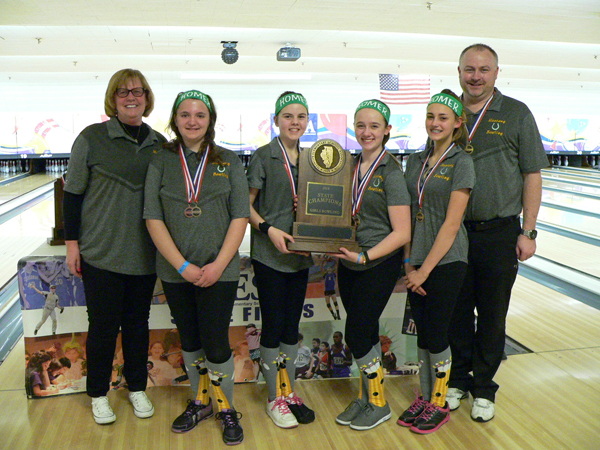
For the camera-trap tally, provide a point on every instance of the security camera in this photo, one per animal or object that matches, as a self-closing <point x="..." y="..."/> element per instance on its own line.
<point x="229" y="55"/>
<point x="288" y="53"/>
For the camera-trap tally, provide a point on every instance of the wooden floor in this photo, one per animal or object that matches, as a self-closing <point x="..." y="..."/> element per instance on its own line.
<point x="548" y="401"/>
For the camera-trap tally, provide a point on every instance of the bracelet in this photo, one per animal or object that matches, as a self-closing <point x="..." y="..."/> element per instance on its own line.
<point x="367" y="259"/>
<point x="183" y="267"/>
<point x="358" y="260"/>
<point x="264" y="227"/>
<point x="407" y="260"/>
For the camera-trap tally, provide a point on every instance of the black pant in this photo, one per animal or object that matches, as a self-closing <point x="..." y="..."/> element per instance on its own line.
<point x="202" y="316"/>
<point x="432" y="312"/>
<point x="487" y="287"/>
<point x="116" y="301"/>
<point x="281" y="296"/>
<point x="365" y="294"/>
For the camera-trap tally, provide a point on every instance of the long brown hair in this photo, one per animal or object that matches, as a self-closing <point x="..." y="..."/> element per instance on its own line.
<point x="460" y="135"/>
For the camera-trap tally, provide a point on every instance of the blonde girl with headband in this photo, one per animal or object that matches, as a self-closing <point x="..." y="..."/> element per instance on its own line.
<point x="439" y="180"/>
<point x="196" y="210"/>
<point x="281" y="276"/>
<point x="381" y="211"/>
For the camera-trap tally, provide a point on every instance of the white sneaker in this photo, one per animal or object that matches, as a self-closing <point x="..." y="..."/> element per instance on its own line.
<point x="454" y="396"/>
<point x="279" y="412"/>
<point x="142" y="406"/>
<point x="103" y="413"/>
<point x="483" y="410"/>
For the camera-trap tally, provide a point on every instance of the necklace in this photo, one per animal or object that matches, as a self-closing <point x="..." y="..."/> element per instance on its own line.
<point x="127" y="129"/>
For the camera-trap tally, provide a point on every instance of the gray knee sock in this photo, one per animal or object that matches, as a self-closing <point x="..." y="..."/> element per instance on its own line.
<point x="190" y="358"/>
<point x="291" y="353"/>
<point x="425" y="373"/>
<point x="222" y="376"/>
<point x="268" y="362"/>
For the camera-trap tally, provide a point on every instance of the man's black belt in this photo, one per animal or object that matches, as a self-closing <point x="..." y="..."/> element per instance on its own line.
<point x="482" y="225"/>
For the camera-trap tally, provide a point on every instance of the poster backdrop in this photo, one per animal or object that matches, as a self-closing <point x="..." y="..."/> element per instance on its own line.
<point x="35" y="134"/>
<point x="55" y="324"/>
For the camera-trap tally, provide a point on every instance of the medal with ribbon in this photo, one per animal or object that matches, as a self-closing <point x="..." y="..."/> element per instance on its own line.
<point x="287" y="164"/>
<point x="359" y="187"/>
<point x="193" y="185"/>
<point x="470" y="148"/>
<point x="424" y="178"/>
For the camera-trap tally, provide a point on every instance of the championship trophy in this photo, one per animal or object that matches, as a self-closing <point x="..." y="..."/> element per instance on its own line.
<point x="324" y="212"/>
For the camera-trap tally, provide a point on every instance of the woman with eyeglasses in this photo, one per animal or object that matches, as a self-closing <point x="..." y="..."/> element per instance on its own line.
<point x="108" y="245"/>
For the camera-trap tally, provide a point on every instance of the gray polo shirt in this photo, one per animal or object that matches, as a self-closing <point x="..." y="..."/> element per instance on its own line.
<point x="507" y="144"/>
<point x="223" y="197"/>
<point x="109" y="168"/>
<point x="275" y="204"/>
<point x="454" y="173"/>
<point x="386" y="188"/>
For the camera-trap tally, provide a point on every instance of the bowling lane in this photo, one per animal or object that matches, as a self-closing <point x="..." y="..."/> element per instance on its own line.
<point x="569" y="252"/>
<point x="546" y="174"/>
<point x="557" y="183"/>
<point x="22" y="186"/>
<point x="570" y="221"/>
<point x="22" y="234"/>
<point x="577" y="171"/>
<point x="571" y="200"/>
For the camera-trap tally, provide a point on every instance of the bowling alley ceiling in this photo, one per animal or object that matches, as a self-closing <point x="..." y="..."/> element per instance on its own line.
<point x="72" y="40"/>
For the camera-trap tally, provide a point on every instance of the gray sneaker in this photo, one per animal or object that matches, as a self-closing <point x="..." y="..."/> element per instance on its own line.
<point x="351" y="411"/>
<point x="371" y="416"/>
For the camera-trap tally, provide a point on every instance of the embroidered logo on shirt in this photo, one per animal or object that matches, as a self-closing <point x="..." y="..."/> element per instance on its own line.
<point x="496" y="125"/>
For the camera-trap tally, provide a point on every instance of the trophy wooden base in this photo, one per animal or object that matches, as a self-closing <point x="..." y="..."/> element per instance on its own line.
<point x="322" y="238"/>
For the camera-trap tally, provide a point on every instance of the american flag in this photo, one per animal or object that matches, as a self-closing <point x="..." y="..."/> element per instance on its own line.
<point x="397" y="90"/>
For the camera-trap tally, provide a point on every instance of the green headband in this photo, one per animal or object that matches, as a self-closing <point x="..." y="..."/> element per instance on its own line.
<point x="449" y="101"/>
<point x="377" y="106"/>
<point x="288" y="100"/>
<point x="196" y="95"/>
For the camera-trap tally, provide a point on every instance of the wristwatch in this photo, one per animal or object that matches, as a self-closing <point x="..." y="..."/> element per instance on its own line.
<point x="531" y="234"/>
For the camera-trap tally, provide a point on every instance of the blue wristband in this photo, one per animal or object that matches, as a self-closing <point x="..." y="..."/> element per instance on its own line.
<point x="183" y="267"/>
<point x="358" y="260"/>
<point x="407" y="260"/>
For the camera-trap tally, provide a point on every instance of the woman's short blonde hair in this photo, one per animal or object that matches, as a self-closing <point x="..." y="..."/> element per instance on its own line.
<point x="120" y="79"/>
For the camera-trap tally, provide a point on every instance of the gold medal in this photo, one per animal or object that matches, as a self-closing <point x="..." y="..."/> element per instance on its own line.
<point x="188" y="212"/>
<point x="420" y="216"/>
<point x="469" y="149"/>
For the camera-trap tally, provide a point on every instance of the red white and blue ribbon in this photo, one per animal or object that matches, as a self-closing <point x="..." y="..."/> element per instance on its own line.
<point x="287" y="164"/>
<point x="193" y="185"/>
<point x="359" y="188"/>
<point x="478" y="121"/>
<point x="422" y="182"/>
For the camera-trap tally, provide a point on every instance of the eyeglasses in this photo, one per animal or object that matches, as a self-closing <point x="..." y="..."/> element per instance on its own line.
<point x="137" y="92"/>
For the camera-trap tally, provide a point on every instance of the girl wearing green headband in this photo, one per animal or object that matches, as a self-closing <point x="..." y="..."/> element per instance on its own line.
<point x="439" y="180"/>
<point x="281" y="276"/>
<point x="196" y="210"/>
<point x="366" y="280"/>
<point x="193" y="119"/>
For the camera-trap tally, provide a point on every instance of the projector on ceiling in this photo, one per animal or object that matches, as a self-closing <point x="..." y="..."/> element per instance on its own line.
<point x="288" y="54"/>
